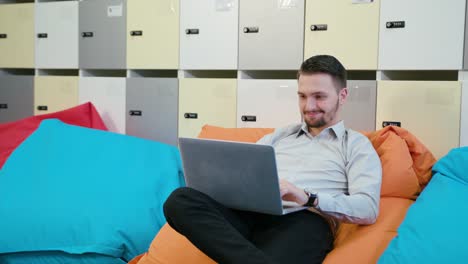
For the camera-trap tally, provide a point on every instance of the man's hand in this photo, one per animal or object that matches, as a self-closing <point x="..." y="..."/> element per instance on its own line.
<point x="289" y="192"/>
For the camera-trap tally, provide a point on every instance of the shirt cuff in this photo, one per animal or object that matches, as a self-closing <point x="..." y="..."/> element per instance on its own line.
<point x="325" y="202"/>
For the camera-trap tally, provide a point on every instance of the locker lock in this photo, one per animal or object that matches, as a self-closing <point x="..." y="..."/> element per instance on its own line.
<point x="87" y="34"/>
<point x="321" y="27"/>
<point x="136" y="33"/>
<point x="192" y="31"/>
<point x="3" y="106"/>
<point x="42" y="108"/>
<point x="191" y="115"/>
<point x="251" y="29"/>
<point x="395" y="24"/>
<point x="3" y="36"/>
<point x="136" y="112"/>
<point x="42" y="35"/>
<point x="391" y="123"/>
<point x="249" y="118"/>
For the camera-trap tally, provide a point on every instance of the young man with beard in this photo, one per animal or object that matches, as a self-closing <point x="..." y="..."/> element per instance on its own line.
<point x="321" y="164"/>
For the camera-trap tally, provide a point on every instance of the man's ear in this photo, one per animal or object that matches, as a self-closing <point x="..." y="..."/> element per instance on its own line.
<point x="343" y="95"/>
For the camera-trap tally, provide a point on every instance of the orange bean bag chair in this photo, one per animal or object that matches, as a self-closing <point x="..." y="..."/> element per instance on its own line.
<point x="406" y="165"/>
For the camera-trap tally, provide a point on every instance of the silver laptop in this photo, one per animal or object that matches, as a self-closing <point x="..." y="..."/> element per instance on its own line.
<point x="238" y="175"/>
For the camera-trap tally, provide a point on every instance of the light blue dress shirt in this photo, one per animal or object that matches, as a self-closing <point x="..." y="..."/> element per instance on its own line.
<point x="339" y="164"/>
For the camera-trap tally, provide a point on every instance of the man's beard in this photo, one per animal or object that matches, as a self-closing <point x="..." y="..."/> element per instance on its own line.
<point x="322" y="122"/>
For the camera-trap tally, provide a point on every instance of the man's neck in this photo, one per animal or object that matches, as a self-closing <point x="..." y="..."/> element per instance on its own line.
<point x="314" y="131"/>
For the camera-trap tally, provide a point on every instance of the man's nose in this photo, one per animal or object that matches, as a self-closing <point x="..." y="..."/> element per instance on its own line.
<point x="311" y="104"/>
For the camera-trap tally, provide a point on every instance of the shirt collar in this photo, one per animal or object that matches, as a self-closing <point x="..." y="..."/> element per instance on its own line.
<point x="337" y="129"/>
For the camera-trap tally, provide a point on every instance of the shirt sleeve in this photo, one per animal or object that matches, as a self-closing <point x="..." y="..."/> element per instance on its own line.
<point x="364" y="172"/>
<point x="266" y="140"/>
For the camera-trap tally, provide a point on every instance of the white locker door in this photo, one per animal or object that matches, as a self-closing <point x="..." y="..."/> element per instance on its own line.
<point x="359" y="110"/>
<point x="208" y="34"/>
<point x="57" y="35"/>
<point x="421" y="34"/>
<point x="271" y="34"/>
<point x="108" y="95"/>
<point x="430" y="110"/>
<point x="267" y="103"/>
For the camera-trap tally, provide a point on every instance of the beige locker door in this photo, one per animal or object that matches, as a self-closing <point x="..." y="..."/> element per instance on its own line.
<point x="351" y="34"/>
<point x="206" y="101"/>
<point x="17" y="35"/>
<point x="54" y="93"/>
<point x="428" y="109"/>
<point x="464" y="116"/>
<point x="153" y="34"/>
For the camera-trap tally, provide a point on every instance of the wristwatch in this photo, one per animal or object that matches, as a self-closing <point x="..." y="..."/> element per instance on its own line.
<point x="312" y="198"/>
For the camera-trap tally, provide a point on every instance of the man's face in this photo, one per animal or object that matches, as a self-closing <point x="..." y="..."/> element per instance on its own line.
<point x="319" y="101"/>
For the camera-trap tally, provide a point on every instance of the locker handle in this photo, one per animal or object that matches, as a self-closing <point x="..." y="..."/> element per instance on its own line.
<point x="319" y="27"/>
<point x="191" y="115"/>
<point x="136" y="33"/>
<point x="42" y="108"/>
<point x="3" y="106"/>
<point x="251" y="29"/>
<point x="3" y="36"/>
<point x="245" y="118"/>
<point x="395" y="24"/>
<point x="136" y="112"/>
<point x="192" y="31"/>
<point x="87" y="34"/>
<point x="42" y="35"/>
<point x="391" y="123"/>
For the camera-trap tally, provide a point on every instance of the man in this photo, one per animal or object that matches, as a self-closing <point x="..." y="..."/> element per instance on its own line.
<point x="321" y="164"/>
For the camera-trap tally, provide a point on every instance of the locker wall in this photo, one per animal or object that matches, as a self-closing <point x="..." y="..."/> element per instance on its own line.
<point x="244" y="35"/>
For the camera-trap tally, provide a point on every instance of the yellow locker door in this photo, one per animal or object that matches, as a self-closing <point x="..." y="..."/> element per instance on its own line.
<point x="348" y="30"/>
<point x="17" y="35"/>
<point x="428" y="109"/>
<point x="153" y="34"/>
<point x="206" y="101"/>
<point x="54" y="93"/>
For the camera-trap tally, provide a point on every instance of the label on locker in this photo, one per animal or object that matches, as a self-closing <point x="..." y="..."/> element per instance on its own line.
<point x="3" y="106"/>
<point x="251" y="30"/>
<point x="136" y="112"/>
<point x="3" y="36"/>
<point x="42" y="35"/>
<point x="321" y="27"/>
<point x="136" y="33"/>
<point x="115" y="11"/>
<point x="287" y="4"/>
<point x="391" y="123"/>
<point x="395" y="24"/>
<point x="362" y="1"/>
<point x="191" y="115"/>
<point x="42" y="108"/>
<point x="192" y="31"/>
<point x="249" y="118"/>
<point x="87" y="34"/>
<point x="224" y="5"/>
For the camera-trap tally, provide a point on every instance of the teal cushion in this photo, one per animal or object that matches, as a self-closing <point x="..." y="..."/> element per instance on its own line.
<point x="56" y="257"/>
<point x="80" y="190"/>
<point x="435" y="229"/>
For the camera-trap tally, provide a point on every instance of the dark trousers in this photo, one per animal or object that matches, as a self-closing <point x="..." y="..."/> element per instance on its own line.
<point x="233" y="236"/>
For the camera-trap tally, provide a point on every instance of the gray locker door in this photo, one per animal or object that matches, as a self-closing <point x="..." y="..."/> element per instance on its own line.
<point x="152" y="107"/>
<point x="271" y="34"/>
<point x="359" y="110"/>
<point x="16" y="97"/>
<point x="102" y="34"/>
<point x="465" y="58"/>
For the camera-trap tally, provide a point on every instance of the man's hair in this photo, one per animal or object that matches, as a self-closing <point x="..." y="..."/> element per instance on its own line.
<point x="325" y="64"/>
